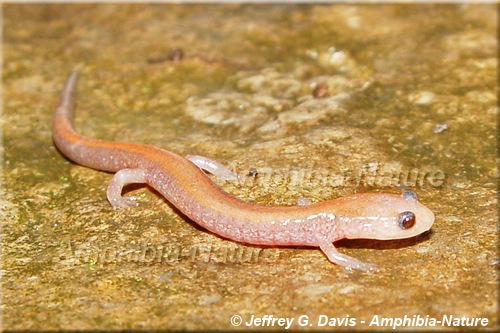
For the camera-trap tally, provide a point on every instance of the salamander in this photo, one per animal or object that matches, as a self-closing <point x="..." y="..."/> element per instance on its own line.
<point x="184" y="183"/>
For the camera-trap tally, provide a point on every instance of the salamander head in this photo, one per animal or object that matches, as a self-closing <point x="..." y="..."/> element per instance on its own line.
<point x="385" y="216"/>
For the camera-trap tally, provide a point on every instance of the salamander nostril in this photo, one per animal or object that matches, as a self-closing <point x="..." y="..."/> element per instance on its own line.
<point x="406" y="220"/>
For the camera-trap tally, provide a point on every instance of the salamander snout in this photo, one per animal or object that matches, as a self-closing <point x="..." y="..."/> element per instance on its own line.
<point x="388" y="216"/>
<point x="410" y="216"/>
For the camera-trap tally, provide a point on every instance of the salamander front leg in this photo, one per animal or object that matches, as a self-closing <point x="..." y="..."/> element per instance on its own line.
<point x="342" y="259"/>
<point x="121" y="179"/>
<point x="213" y="167"/>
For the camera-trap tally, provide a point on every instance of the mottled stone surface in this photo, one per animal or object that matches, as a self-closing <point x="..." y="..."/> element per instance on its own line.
<point x="321" y="100"/>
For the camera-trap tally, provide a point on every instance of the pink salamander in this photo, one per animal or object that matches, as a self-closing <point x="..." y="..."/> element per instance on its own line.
<point x="182" y="182"/>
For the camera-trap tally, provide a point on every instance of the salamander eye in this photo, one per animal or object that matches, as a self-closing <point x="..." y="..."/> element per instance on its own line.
<point x="406" y="220"/>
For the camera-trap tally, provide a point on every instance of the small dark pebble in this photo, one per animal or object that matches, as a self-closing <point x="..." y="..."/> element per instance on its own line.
<point x="252" y="172"/>
<point x="320" y="90"/>
<point x="175" y="54"/>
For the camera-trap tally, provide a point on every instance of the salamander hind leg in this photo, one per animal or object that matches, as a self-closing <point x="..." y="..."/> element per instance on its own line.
<point x="121" y="179"/>
<point x="342" y="259"/>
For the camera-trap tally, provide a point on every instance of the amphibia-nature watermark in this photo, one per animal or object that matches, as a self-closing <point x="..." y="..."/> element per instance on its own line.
<point x="371" y="174"/>
<point x="145" y="253"/>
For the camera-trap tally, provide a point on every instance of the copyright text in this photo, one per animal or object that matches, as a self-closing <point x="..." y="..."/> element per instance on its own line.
<point x="322" y="320"/>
